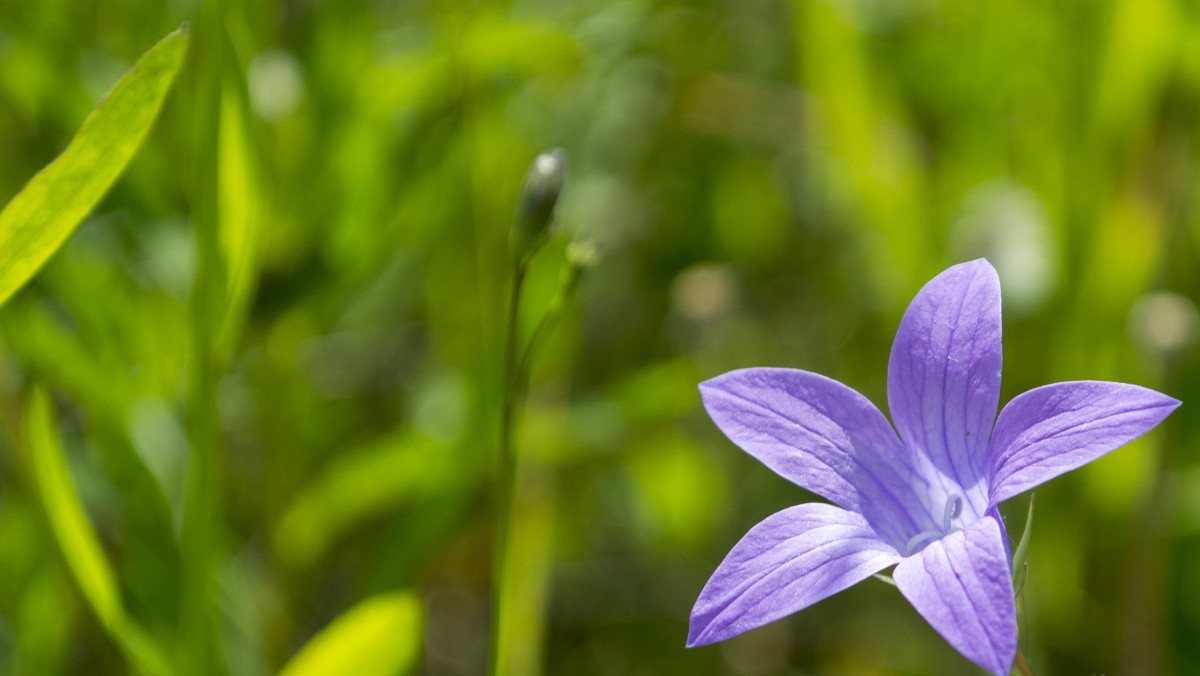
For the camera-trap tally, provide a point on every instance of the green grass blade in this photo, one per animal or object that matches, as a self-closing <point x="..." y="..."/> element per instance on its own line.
<point x="74" y="533"/>
<point x="77" y="540"/>
<point x="1023" y="545"/>
<point x="47" y="210"/>
<point x="381" y="636"/>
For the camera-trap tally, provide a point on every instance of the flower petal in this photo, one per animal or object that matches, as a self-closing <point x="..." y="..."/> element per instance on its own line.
<point x="961" y="585"/>
<point x="1054" y="429"/>
<point x="944" y="377"/>
<point x="827" y="438"/>
<point x="788" y="562"/>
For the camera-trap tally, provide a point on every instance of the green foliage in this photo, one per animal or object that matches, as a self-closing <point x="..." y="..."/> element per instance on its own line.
<point x="1023" y="545"/>
<point x="295" y="290"/>
<point x="380" y="636"/>
<point x="78" y="542"/>
<point x="361" y="484"/>
<point x="80" y="547"/>
<point x="47" y="210"/>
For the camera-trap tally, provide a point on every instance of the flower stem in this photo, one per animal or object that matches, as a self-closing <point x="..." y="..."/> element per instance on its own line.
<point x="201" y="512"/>
<point x="566" y="290"/>
<point x="506" y="476"/>
<point x="1022" y="665"/>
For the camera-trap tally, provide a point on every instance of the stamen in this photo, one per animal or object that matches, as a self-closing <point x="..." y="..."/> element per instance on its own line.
<point x="921" y="538"/>
<point x="952" y="511"/>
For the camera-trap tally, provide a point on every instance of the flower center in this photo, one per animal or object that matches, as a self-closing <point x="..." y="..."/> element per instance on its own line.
<point x="952" y="511"/>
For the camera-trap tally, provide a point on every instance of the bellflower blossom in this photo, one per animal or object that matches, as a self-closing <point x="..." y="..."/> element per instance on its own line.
<point x="924" y="500"/>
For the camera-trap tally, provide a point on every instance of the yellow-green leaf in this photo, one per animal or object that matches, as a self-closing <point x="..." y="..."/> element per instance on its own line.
<point x="47" y="210"/>
<point x="74" y="533"/>
<point x="381" y="636"/>
<point x="240" y="209"/>
<point x="77" y="540"/>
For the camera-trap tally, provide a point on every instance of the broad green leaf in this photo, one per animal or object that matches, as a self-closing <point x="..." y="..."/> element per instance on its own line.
<point x="47" y="210"/>
<point x="77" y="540"/>
<point x="381" y="636"/>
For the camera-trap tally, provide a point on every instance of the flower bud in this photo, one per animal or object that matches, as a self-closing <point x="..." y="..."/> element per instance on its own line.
<point x="582" y="254"/>
<point x="535" y="205"/>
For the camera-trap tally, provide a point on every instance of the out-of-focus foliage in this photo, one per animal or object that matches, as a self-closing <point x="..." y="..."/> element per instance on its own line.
<point x="379" y="636"/>
<point x="763" y="183"/>
<point x="77" y="541"/>
<point x="46" y="211"/>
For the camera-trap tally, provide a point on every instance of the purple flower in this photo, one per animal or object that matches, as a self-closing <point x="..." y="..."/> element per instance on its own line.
<point x="924" y="500"/>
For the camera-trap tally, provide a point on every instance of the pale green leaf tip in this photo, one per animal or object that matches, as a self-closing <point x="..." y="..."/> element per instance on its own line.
<point x="180" y="33"/>
<point x="176" y="39"/>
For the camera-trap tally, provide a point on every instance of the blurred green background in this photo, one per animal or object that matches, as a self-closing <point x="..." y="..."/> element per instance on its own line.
<point x="766" y="183"/>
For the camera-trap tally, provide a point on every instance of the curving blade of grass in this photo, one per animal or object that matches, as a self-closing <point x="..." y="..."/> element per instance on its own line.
<point x="380" y="636"/>
<point x="78" y="542"/>
<point x="37" y="221"/>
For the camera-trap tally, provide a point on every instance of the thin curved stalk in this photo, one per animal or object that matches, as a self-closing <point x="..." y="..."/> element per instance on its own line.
<point x="507" y="474"/>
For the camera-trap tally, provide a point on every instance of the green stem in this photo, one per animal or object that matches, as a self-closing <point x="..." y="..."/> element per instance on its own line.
<point x="506" y="477"/>
<point x="553" y="313"/>
<point x="1023" y="545"/>
<point x="1022" y="665"/>
<point x="201" y="503"/>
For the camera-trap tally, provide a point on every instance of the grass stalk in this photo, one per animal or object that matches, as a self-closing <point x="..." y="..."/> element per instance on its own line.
<point x="506" y="477"/>
<point x="1022" y="665"/>
<point x="202" y="498"/>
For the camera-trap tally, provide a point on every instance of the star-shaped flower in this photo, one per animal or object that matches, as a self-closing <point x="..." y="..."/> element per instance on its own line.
<point x="924" y="500"/>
